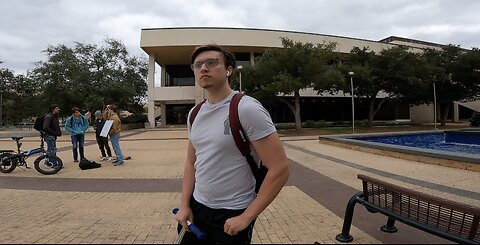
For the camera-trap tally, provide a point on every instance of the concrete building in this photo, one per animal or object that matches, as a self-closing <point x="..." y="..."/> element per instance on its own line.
<point x="177" y="93"/>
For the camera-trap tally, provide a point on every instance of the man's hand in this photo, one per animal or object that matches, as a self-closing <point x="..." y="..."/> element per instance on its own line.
<point x="236" y="224"/>
<point x="184" y="214"/>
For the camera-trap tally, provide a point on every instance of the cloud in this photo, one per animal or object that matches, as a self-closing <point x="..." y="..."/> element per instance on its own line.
<point x="28" y="27"/>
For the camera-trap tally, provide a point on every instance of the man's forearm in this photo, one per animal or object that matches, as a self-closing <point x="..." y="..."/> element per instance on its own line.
<point x="188" y="176"/>
<point x="187" y="185"/>
<point x="270" y="188"/>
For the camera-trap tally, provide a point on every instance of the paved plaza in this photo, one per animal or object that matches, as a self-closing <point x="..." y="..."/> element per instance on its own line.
<point x="132" y="203"/>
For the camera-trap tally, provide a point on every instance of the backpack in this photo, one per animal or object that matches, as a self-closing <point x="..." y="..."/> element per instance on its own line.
<point x="83" y="120"/>
<point x="240" y="137"/>
<point x="39" y="123"/>
<point x="88" y="164"/>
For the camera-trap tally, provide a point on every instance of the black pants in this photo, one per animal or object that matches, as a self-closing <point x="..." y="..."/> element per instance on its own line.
<point x="211" y="221"/>
<point x="103" y="145"/>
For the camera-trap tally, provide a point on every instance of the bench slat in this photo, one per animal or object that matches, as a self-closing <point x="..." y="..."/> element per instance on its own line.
<point x="438" y="213"/>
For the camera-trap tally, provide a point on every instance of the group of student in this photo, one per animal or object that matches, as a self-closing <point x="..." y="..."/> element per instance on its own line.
<point x="77" y="125"/>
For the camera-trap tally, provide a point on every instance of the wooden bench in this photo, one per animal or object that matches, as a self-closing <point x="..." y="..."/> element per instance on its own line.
<point x="448" y="219"/>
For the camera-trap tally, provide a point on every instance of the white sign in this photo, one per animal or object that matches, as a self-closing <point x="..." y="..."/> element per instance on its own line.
<point x="106" y="128"/>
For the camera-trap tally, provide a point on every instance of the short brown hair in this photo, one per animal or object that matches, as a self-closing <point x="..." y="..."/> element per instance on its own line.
<point x="112" y="107"/>
<point x="52" y="107"/>
<point x="75" y="109"/>
<point x="227" y="56"/>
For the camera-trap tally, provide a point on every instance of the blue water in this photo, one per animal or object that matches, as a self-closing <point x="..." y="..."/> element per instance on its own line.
<point x="435" y="141"/>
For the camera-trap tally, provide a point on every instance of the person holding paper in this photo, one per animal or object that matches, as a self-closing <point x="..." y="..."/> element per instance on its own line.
<point x="101" y="140"/>
<point x="114" y="133"/>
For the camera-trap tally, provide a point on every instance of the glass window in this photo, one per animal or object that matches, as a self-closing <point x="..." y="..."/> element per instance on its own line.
<point x="242" y="56"/>
<point x="179" y="75"/>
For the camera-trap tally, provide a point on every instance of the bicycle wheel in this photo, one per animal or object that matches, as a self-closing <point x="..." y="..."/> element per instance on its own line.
<point x="44" y="166"/>
<point x="7" y="164"/>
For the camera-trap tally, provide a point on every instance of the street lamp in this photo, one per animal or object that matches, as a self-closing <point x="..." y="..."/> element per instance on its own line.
<point x="1" y="109"/>
<point x="351" y="73"/>
<point x="434" y="106"/>
<point x="239" y="68"/>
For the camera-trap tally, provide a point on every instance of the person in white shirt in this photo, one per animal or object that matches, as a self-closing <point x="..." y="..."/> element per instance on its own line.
<point x="218" y="192"/>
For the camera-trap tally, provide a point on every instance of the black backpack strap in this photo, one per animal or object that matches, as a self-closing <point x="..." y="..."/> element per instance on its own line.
<point x="241" y="139"/>
<point x="195" y="112"/>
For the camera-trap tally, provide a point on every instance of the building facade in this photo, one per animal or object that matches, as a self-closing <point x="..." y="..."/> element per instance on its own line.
<point x="177" y="93"/>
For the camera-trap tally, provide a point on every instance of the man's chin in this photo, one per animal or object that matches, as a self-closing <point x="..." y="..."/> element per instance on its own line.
<point x="206" y="86"/>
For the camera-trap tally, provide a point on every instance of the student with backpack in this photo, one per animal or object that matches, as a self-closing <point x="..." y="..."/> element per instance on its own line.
<point x="51" y="130"/>
<point x="218" y="192"/>
<point x="76" y="125"/>
<point x="101" y="141"/>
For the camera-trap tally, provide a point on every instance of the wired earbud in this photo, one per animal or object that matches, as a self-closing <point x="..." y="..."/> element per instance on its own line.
<point x="228" y="73"/>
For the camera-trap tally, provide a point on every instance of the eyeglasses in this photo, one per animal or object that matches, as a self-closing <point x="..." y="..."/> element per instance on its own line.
<point x="210" y="63"/>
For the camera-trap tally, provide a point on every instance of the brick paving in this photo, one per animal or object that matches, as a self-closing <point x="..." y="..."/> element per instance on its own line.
<point x="132" y="203"/>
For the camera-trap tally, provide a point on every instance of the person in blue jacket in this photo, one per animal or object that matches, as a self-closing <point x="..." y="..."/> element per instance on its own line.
<point x="76" y="125"/>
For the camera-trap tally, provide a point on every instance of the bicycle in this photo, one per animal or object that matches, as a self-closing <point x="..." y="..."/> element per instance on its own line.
<point x="9" y="160"/>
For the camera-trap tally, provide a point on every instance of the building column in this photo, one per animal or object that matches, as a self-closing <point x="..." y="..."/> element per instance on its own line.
<point x="163" y="114"/>
<point x="151" y="90"/>
<point x="163" y="76"/>
<point x="456" y="112"/>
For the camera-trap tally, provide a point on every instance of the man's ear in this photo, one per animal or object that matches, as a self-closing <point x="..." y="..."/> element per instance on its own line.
<point x="229" y="71"/>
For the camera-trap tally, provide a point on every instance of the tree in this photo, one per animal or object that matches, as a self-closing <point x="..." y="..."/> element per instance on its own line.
<point x="454" y="72"/>
<point x="392" y="71"/>
<point x="91" y="76"/>
<point x="467" y="72"/>
<point x="284" y="72"/>
<point x="19" y="97"/>
<point x="6" y="77"/>
<point x="366" y="82"/>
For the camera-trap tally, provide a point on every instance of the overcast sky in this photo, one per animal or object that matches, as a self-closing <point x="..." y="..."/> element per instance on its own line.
<point x="27" y="27"/>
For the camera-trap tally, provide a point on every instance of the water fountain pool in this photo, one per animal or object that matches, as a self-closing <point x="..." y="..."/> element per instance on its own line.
<point x="458" y="145"/>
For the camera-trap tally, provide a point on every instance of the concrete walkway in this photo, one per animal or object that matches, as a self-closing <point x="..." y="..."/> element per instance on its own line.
<point x="132" y="203"/>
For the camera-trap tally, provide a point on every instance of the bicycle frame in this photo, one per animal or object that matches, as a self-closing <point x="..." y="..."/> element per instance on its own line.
<point x="34" y="151"/>
<point x="22" y="156"/>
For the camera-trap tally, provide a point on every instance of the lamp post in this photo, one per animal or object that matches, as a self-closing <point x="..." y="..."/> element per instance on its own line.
<point x="1" y="109"/>
<point x="351" y="73"/>
<point x="434" y="106"/>
<point x="239" y="68"/>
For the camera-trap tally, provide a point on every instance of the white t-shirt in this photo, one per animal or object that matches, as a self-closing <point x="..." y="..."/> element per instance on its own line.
<point x="223" y="178"/>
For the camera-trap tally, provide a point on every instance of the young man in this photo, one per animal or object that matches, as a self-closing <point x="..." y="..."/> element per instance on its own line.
<point x="114" y="133"/>
<point x="51" y="128"/>
<point x="218" y="192"/>
<point x="76" y="125"/>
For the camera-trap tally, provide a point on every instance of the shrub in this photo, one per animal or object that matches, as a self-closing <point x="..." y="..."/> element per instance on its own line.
<point x="135" y="118"/>
<point x="475" y="121"/>
<point x="313" y="124"/>
<point x="281" y="126"/>
<point x="308" y="124"/>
